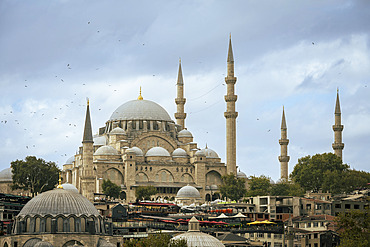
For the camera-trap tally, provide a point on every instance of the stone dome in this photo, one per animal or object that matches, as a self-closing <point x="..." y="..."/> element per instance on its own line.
<point x="70" y="187"/>
<point x="199" y="153"/>
<point x="106" y="150"/>
<point x="100" y="140"/>
<point x="6" y="175"/>
<point x="214" y="187"/>
<point x="241" y="174"/>
<point x="70" y="160"/>
<point x="199" y="239"/>
<point x="157" y="151"/>
<point x="188" y="191"/>
<point x="179" y="152"/>
<point x="59" y="201"/>
<point x="117" y="131"/>
<point x="43" y="244"/>
<point x="137" y="151"/>
<point x="184" y="133"/>
<point x="140" y="110"/>
<point x="210" y="153"/>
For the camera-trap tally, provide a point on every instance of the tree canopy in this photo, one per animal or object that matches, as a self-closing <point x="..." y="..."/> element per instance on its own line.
<point x="145" y="192"/>
<point x="34" y="174"/>
<point x="353" y="227"/>
<point x="326" y="172"/>
<point x="233" y="187"/>
<point x="259" y="186"/>
<point x="286" y="188"/>
<point x="111" y="189"/>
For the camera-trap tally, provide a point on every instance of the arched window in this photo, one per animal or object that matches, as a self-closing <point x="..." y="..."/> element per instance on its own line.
<point x="83" y="225"/>
<point x="48" y="224"/>
<point x="37" y="226"/>
<point x="60" y="224"/>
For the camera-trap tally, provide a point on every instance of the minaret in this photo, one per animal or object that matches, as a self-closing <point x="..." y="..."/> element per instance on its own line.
<point x="87" y="176"/>
<point x="180" y="115"/>
<point x="284" y="141"/>
<point x="338" y="128"/>
<point x="230" y="114"/>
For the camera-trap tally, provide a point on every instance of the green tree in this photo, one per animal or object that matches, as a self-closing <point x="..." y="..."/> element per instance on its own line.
<point x="233" y="187"/>
<point x="287" y="188"/>
<point x="259" y="186"/>
<point x="155" y="240"/>
<point x="319" y="172"/>
<point x="33" y="174"/>
<point x="145" y="192"/>
<point x="111" y="189"/>
<point x="353" y="227"/>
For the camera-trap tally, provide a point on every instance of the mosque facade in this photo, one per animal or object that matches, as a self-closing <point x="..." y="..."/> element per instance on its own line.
<point x="140" y="145"/>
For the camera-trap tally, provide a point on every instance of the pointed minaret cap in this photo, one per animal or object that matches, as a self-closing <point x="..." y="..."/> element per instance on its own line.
<point x="193" y="225"/>
<point x="337" y="104"/>
<point x="283" y="122"/>
<point x="88" y="137"/>
<point x="180" y="80"/>
<point x="230" y="56"/>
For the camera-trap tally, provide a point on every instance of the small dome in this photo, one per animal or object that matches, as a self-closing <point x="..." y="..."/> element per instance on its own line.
<point x="59" y="201"/>
<point x="137" y="151"/>
<point x="188" y="192"/>
<point x="117" y="131"/>
<point x="184" y="133"/>
<point x="199" y="153"/>
<point x="6" y="175"/>
<point x="140" y="110"/>
<point x="100" y="140"/>
<point x="241" y="174"/>
<point x="106" y="150"/>
<point x="199" y="239"/>
<point x="214" y="187"/>
<point x="70" y="160"/>
<point x="70" y="187"/>
<point x="179" y="152"/>
<point x="157" y="151"/>
<point x="210" y="153"/>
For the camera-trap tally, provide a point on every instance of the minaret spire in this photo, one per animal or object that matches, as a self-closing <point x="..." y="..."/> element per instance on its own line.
<point x="338" y="128"/>
<point x="284" y="141"/>
<point x="230" y="114"/>
<point x="180" y="115"/>
<point x="88" y="137"/>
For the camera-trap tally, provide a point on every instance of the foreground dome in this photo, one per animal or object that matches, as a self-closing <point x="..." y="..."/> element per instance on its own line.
<point x="59" y="201"/>
<point x="6" y="175"/>
<point x="157" y="151"/>
<point x="140" y="110"/>
<point x="106" y="150"/>
<point x="188" y="192"/>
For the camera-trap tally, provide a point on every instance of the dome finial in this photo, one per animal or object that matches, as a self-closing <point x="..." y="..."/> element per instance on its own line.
<point x="88" y="101"/>
<point x="60" y="182"/>
<point x="140" y="97"/>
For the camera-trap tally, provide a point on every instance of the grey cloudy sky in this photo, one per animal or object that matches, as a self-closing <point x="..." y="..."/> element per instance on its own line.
<point x="291" y="53"/>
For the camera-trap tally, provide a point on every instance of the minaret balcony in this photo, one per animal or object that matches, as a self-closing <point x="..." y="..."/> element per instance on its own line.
<point x="180" y="115"/>
<point x="338" y="127"/>
<point x="230" y="114"/>
<point x="337" y="146"/>
<point x="180" y="101"/>
<point x="230" y="80"/>
<point x="231" y="98"/>
<point x="284" y="141"/>
<point x="284" y="158"/>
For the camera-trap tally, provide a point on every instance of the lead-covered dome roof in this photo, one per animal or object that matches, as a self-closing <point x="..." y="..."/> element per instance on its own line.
<point x="157" y="151"/>
<point x="210" y="153"/>
<point x="106" y="150"/>
<point x="188" y="191"/>
<point x="59" y="201"/>
<point x="184" y="133"/>
<point x="6" y="175"/>
<point x="179" y="152"/>
<point x="140" y="110"/>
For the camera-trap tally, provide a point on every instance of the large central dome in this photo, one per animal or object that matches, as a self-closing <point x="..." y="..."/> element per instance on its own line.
<point x="140" y="110"/>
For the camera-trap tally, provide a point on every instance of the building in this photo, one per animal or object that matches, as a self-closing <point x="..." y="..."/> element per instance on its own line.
<point x="140" y="145"/>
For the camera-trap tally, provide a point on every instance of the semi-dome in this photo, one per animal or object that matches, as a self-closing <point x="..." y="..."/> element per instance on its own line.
<point x="70" y="187"/>
<point x="117" y="131"/>
<point x="100" y="140"/>
<point x="210" y="153"/>
<point x="106" y="150"/>
<point x="157" y="151"/>
<point x="184" y="133"/>
<point x="140" y="110"/>
<point x="59" y="201"/>
<point x="137" y="151"/>
<point x="70" y="160"/>
<point x="241" y="174"/>
<point x="6" y="175"/>
<point x="188" y="191"/>
<point x="179" y="152"/>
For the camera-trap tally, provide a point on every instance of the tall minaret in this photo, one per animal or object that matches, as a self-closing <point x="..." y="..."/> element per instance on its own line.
<point x="338" y="128"/>
<point x="284" y="141"/>
<point x="87" y="176"/>
<point x="230" y="114"/>
<point x="180" y="115"/>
